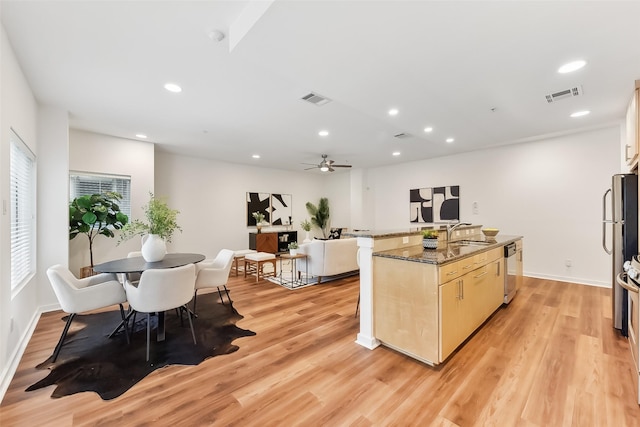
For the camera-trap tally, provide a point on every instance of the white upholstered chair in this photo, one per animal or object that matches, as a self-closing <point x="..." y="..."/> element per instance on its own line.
<point x="214" y="273"/>
<point x="162" y="289"/>
<point x="80" y="295"/>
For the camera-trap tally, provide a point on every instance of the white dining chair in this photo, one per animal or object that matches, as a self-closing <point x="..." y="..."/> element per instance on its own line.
<point x="162" y="289"/>
<point x="80" y="295"/>
<point x="214" y="273"/>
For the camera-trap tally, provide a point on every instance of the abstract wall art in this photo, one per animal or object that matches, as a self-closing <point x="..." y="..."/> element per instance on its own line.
<point x="258" y="202"/>
<point x="281" y="209"/>
<point x="434" y="204"/>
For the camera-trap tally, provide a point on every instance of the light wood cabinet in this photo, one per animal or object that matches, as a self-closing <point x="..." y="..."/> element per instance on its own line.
<point x="632" y="124"/>
<point x="427" y="311"/>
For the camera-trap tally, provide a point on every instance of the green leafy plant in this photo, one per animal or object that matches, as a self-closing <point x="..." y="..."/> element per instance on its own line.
<point x="293" y="245"/>
<point x="429" y="234"/>
<point x="320" y="215"/>
<point x="306" y="225"/>
<point x="161" y="220"/>
<point x="94" y="215"/>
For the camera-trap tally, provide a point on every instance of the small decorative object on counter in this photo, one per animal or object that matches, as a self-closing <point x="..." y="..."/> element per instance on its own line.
<point x="293" y="248"/>
<point x="429" y="239"/>
<point x="490" y="233"/>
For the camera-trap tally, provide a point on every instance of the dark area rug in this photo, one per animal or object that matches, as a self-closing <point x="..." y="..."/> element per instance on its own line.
<point x="90" y="361"/>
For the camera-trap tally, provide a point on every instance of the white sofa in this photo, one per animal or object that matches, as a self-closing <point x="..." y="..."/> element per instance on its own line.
<point x="328" y="257"/>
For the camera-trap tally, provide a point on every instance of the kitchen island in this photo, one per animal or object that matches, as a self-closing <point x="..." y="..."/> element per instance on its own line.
<point x="424" y="302"/>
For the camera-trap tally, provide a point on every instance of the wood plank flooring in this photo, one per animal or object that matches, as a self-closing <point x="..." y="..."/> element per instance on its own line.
<point x="550" y="358"/>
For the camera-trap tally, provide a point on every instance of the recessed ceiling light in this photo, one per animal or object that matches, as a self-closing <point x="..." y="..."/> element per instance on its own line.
<point x="450" y="140"/>
<point x="395" y="153"/>
<point x="428" y="129"/>
<point x="393" y="112"/>
<point x="256" y="156"/>
<point x="580" y="113"/>
<point x="323" y="133"/>
<point x="572" y="66"/>
<point x="172" y="87"/>
<point x="141" y="135"/>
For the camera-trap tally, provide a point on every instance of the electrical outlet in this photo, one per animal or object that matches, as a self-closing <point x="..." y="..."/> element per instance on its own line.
<point x="405" y="240"/>
<point x="475" y="209"/>
<point x="567" y="263"/>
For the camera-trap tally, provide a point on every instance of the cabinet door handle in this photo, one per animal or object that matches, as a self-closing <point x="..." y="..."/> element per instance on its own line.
<point x="466" y="267"/>
<point x="498" y="268"/>
<point x="484" y="273"/>
<point x="451" y="273"/>
<point x="462" y="288"/>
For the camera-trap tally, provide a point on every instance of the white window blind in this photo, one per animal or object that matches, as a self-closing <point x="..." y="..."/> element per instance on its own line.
<point x="83" y="183"/>
<point x="22" y="165"/>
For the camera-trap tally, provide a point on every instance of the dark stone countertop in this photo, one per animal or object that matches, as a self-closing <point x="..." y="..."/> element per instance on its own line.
<point x="447" y="252"/>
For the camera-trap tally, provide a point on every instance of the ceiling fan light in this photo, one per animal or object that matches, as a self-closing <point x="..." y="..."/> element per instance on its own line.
<point x="324" y="168"/>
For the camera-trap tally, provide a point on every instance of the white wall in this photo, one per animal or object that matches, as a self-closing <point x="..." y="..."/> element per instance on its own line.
<point x="549" y="191"/>
<point x="211" y="198"/>
<point x="102" y="154"/>
<point x="18" y="111"/>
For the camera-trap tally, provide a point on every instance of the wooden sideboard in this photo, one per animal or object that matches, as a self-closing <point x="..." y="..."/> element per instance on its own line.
<point x="272" y="242"/>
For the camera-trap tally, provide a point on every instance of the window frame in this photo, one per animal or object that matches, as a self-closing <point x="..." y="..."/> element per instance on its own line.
<point x="23" y="211"/>
<point x="124" y="204"/>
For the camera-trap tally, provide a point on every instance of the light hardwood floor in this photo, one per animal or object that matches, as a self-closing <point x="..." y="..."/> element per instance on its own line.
<point x="551" y="358"/>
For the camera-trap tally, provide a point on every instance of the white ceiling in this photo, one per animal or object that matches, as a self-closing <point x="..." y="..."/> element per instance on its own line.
<point x="477" y="71"/>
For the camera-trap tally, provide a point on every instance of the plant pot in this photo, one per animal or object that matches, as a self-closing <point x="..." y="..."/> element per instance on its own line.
<point x="87" y="272"/>
<point x="258" y="229"/>
<point x="430" y="243"/>
<point x="293" y="252"/>
<point x="306" y="239"/>
<point x="153" y="248"/>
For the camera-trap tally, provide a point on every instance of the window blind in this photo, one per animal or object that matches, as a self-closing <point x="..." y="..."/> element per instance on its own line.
<point x="82" y="183"/>
<point x="22" y="181"/>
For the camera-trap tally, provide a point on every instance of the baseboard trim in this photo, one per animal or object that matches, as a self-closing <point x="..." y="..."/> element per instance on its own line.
<point x="569" y="280"/>
<point x="14" y="360"/>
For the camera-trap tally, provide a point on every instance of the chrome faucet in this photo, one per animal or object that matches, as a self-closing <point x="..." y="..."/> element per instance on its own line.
<point x="451" y="227"/>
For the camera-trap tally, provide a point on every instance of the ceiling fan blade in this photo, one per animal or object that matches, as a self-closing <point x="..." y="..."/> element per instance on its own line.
<point x="308" y="169"/>
<point x="341" y="166"/>
<point x="331" y="169"/>
<point x="310" y="164"/>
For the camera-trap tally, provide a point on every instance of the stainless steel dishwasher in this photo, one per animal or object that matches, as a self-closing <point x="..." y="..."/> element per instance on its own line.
<point x="513" y="269"/>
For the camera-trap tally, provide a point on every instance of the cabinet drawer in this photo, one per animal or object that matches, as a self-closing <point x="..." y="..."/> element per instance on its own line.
<point x="456" y="269"/>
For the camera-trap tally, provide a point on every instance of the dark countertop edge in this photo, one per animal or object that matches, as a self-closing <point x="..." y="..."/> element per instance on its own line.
<point x="402" y="232"/>
<point x="433" y="256"/>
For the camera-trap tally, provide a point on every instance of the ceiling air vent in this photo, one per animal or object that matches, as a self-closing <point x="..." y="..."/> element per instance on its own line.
<point x="567" y="93"/>
<point x="315" y="99"/>
<point x="402" y="135"/>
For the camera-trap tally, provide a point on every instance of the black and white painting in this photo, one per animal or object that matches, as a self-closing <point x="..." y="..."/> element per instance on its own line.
<point x="281" y="209"/>
<point x="434" y="204"/>
<point x="258" y="202"/>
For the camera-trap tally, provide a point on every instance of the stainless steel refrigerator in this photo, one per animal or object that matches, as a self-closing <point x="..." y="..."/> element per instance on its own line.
<point x="623" y="225"/>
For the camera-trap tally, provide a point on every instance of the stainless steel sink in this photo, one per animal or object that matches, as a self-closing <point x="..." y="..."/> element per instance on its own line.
<point x="471" y="243"/>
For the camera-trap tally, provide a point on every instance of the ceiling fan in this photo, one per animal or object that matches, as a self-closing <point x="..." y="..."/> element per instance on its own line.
<point x="326" y="165"/>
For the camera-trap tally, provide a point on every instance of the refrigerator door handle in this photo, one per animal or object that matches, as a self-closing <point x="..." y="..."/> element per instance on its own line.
<point x="605" y="221"/>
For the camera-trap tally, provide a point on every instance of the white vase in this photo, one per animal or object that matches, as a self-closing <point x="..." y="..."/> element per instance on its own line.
<point x="293" y="252"/>
<point x="153" y="248"/>
<point x="306" y="239"/>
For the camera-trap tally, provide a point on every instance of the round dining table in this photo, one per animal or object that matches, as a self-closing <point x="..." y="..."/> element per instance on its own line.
<point x="139" y="265"/>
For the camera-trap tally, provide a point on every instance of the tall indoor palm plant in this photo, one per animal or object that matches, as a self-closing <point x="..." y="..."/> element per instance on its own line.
<point x="320" y="215"/>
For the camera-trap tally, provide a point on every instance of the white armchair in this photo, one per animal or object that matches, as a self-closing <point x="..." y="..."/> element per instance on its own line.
<point x="80" y="295"/>
<point x="162" y="289"/>
<point x="214" y="273"/>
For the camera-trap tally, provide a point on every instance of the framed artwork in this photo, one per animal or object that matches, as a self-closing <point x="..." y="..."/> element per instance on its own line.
<point x="258" y="202"/>
<point x="434" y="204"/>
<point x="281" y="209"/>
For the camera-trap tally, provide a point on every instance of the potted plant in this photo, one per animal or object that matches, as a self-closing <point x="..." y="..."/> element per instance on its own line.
<point x="157" y="231"/>
<point x="306" y="226"/>
<point x="293" y="248"/>
<point x="259" y="217"/>
<point x="94" y="215"/>
<point x="429" y="239"/>
<point x="320" y="215"/>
